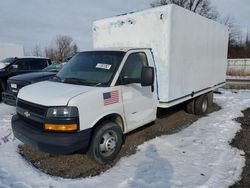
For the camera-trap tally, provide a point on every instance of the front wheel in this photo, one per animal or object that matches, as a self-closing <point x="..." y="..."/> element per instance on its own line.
<point x="106" y="143"/>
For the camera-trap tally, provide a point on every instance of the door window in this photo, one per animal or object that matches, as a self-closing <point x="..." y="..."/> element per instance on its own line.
<point x="38" y="64"/>
<point x="21" y="65"/>
<point x="133" y="67"/>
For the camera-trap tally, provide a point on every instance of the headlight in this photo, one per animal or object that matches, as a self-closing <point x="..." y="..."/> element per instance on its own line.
<point x="62" y="112"/>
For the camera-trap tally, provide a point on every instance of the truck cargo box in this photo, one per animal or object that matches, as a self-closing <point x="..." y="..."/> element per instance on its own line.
<point x="190" y="51"/>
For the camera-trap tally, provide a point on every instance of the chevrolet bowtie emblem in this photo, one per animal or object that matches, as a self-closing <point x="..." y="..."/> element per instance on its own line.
<point x="27" y="114"/>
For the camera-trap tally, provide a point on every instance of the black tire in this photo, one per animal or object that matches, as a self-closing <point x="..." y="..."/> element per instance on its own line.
<point x="106" y="143"/>
<point x="210" y="97"/>
<point x="2" y="88"/>
<point x="190" y="106"/>
<point x="201" y="105"/>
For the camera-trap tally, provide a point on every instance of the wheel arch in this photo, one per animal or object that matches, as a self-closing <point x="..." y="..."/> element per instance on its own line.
<point x="111" y="117"/>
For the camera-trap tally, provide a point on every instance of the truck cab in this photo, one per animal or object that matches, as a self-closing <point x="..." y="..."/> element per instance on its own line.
<point x="95" y="99"/>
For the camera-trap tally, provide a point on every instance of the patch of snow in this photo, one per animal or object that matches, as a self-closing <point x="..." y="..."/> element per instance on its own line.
<point x="5" y="117"/>
<point x="198" y="156"/>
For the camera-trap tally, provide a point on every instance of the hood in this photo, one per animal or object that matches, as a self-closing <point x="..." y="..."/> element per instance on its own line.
<point x="34" y="76"/>
<point x="48" y="93"/>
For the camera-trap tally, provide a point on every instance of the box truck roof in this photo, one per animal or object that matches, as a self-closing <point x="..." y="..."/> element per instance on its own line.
<point x="154" y="9"/>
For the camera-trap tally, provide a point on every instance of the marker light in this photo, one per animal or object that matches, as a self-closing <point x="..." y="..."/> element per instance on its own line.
<point x="60" y="127"/>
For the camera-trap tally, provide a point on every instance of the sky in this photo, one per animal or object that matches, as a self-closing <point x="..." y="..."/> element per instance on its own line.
<point x="239" y="10"/>
<point x="38" y="22"/>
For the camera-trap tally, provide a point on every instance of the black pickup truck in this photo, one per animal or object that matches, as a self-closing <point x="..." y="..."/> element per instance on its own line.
<point x="15" y="83"/>
<point x="19" y="65"/>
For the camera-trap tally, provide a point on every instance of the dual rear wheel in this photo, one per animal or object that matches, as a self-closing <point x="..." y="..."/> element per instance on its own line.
<point x="199" y="105"/>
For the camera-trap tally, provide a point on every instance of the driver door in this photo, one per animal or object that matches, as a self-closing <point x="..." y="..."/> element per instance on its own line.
<point x="138" y="102"/>
<point x="19" y="67"/>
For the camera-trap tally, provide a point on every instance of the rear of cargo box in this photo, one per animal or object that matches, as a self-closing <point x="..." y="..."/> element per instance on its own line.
<point x="189" y="51"/>
<point x="198" y="54"/>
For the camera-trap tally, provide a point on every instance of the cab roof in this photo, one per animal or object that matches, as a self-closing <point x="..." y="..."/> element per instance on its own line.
<point x="29" y="57"/>
<point x="125" y="49"/>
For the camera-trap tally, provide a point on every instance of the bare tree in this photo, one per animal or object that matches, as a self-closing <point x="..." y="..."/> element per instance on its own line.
<point x="234" y="32"/>
<point x="202" y="7"/>
<point x="63" y="48"/>
<point x="50" y="52"/>
<point x="37" y="50"/>
<point x="247" y="43"/>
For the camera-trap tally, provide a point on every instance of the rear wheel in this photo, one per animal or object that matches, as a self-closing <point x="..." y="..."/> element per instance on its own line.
<point x="201" y="105"/>
<point x="190" y="106"/>
<point x="106" y="143"/>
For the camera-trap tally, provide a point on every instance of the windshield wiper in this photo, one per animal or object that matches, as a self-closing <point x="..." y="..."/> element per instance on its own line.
<point x="76" y="81"/>
<point x="97" y="84"/>
<point x="57" y="78"/>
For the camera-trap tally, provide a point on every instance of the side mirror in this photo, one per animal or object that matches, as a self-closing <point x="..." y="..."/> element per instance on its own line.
<point x="147" y="76"/>
<point x="126" y="80"/>
<point x="13" y="68"/>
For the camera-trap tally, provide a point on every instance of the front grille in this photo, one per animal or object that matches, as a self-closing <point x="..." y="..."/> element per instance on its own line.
<point x="9" y="99"/>
<point x="37" y="113"/>
<point x="31" y="123"/>
<point x="19" y="84"/>
<point x="34" y="108"/>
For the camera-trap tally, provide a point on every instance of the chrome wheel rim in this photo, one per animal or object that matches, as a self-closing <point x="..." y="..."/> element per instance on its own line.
<point x="204" y="106"/>
<point x="108" y="143"/>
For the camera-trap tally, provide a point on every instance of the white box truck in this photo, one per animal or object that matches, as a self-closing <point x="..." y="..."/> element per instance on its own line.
<point x="155" y="58"/>
<point x="10" y="50"/>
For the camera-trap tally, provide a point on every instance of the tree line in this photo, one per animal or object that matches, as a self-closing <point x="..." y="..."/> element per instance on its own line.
<point x="63" y="47"/>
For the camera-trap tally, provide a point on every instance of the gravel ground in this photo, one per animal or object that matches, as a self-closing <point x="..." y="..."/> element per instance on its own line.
<point x="79" y="165"/>
<point x="242" y="141"/>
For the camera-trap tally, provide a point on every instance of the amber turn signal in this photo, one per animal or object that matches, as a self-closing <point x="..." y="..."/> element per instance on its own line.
<point x="60" y="127"/>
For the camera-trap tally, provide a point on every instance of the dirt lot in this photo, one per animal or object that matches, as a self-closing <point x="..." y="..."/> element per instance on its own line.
<point x="78" y="165"/>
<point x="242" y="141"/>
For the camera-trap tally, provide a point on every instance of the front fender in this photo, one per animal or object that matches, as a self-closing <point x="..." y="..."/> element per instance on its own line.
<point x="111" y="114"/>
<point x="92" y="109"/>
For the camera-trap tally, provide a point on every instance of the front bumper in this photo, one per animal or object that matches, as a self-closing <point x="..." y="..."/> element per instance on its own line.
<point x="9" y="99"/>
<point x="50" y="142"/>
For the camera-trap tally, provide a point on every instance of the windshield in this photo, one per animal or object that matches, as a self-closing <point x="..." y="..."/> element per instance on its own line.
<point x="55" y="67"/>
<point x="7" y="61"/>
<point x="95" y="68"/>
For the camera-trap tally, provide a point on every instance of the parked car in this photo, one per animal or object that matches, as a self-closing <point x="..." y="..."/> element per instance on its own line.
<point x="101" y="95"/>
<point x="15" y="83"/>
<point x="19" y="65"/>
